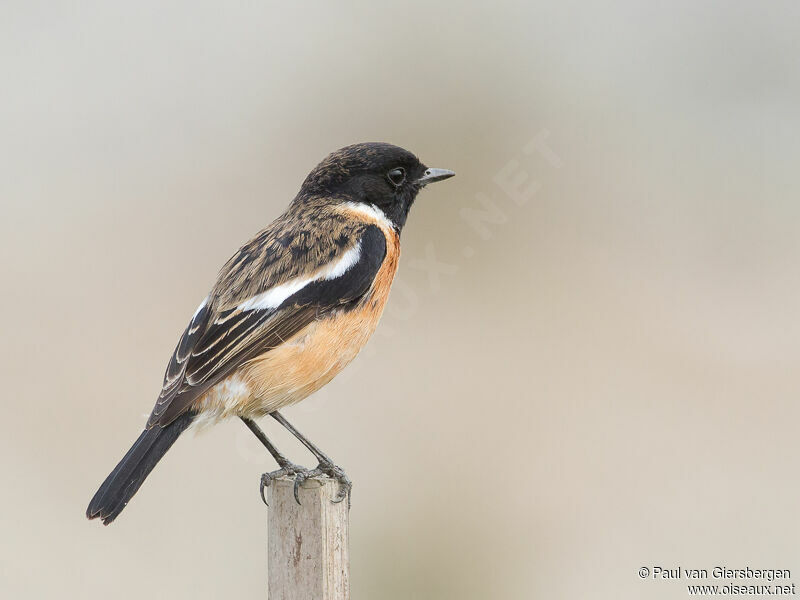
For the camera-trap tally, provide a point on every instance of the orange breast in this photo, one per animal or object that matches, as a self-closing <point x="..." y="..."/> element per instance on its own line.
<point x="315" y="355"/>
<point x="309" y="359"/>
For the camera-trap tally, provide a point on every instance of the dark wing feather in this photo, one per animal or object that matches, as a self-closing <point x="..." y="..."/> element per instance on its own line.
<point x="228" y="338"/>
<point x="176" y="369"/>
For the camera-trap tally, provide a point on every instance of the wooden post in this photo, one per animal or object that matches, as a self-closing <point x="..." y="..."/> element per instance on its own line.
<point x="308" y="544"/>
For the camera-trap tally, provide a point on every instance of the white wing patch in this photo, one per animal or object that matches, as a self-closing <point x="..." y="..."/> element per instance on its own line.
<point x="275" y="296"/>
<point x="341" y="266"/>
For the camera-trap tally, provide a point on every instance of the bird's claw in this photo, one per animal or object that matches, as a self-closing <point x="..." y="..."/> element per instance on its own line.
<point x="285" y="470"/>
<point x="336" y="472"/>
<point x="332" y="471"/>
<point x="301" y="474"/>
<point x="300" y="478"/>
<point x="345" y="485"/>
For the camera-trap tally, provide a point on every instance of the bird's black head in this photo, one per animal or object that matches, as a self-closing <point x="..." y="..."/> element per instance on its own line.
<point x="374" y="173"/>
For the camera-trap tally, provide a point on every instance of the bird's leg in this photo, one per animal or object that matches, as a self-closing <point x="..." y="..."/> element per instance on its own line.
<point x="325" y="467"/>
<point x="286" y="466"/>
<point x="318" y="454"/>
<point x="276" y="454"/>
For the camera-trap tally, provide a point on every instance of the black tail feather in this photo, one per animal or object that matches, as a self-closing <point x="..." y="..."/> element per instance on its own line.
<point x="126" y="478"/>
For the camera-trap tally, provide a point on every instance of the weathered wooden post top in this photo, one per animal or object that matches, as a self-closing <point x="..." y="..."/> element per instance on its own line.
<point x="308" y="543"/>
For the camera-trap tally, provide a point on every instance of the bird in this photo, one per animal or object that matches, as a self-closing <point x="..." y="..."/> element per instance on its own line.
<point x="288" y="311"/>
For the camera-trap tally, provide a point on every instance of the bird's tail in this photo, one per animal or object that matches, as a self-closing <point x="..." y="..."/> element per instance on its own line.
<point x="124" y="481"/>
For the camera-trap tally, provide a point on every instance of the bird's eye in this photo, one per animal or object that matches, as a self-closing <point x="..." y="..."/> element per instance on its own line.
<point x="397" y="176"/>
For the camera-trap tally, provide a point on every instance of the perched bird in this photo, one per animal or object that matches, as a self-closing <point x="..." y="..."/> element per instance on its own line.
<point x="288" y="312"/>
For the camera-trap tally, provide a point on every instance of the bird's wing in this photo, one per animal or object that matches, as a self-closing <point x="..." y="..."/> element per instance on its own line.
<point x="261" y="300"/>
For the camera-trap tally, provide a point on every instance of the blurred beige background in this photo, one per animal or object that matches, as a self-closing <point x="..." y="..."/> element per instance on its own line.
<point x="602" y="378"/>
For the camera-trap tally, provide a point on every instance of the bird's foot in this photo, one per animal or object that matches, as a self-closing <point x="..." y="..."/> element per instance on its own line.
<point x="301" y="474"/>
<point x="334" y="472"/>
<point x="287" y="469"/>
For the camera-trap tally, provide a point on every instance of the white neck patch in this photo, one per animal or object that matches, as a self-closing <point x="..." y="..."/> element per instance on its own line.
<point x="372" y="212"/>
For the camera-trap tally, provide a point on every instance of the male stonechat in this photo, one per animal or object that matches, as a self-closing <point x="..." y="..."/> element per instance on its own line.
<point x="288" y="312"/>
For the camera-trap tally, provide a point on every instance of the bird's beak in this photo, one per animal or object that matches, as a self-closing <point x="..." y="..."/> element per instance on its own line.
<point x="431" y="175"/>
